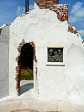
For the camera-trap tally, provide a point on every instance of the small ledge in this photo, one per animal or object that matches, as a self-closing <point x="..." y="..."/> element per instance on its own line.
<point x="55" y="64"/>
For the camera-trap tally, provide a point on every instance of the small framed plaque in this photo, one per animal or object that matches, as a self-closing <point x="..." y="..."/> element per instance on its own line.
<point x="55" y="56"/>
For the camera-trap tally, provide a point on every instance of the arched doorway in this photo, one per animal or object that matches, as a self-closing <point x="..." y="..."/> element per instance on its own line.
<point x="25" y="67"/>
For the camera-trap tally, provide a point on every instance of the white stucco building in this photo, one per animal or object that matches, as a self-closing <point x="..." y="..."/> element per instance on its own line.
<point x="58" y="62"/>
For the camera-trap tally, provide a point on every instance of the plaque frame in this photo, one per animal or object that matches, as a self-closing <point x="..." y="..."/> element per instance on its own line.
<point x="55" y="63"/>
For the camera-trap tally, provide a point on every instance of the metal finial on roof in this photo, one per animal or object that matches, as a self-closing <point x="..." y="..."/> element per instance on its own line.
<point x="26" y="6"/>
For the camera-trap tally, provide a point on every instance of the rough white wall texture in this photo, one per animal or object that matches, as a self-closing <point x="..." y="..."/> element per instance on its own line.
<point x="4" y="62"/>
<point x="54" y="82"/>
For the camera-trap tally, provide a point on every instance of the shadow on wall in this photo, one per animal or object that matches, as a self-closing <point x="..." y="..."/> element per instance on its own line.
<point x="26" y="87"/>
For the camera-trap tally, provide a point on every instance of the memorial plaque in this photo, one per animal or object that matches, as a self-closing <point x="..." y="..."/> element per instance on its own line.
<point x="55" y="54"/>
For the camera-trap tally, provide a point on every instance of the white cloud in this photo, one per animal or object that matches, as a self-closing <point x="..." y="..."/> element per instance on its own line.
<point x="20" y="10"/>
<point x="77" y="12"/>
<point x="77" y="17"/>
<point x="76" y="7"/>
<point x="82" y="33"/>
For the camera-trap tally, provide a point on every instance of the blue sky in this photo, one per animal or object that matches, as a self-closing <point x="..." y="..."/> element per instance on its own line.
<point x="7" y="11"/>
<point x="10" y="8"/>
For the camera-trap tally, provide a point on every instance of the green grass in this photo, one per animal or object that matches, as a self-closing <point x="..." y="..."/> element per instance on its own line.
<point x="26" y="74"/>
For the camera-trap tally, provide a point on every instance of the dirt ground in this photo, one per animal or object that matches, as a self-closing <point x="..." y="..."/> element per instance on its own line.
<point x="30" y="105"/>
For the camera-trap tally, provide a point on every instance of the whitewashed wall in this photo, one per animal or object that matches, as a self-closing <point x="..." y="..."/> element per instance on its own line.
<point x="54" y="82"/>
<point x="4" y="63"/>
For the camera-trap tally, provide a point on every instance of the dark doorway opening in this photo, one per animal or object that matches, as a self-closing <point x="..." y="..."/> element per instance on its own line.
<point x="26" y="56"/>
<point x="25" y="62"/>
